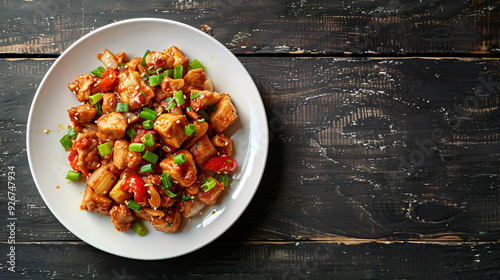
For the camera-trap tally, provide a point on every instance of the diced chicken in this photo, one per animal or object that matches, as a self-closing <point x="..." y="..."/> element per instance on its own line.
<point x="171" y="129"/>
<point x="156" y="59"/>
<point x="133" y="159"/>
<point x="185" y="173"/>
<point x="225" y="114"/>
<point x="82" y="114"/>
<point x="82" y="86"/>
<point x="108" y="59"/>
<point x="195" y="78"/>
<point x="88" y="155"/>
<point x="174" y="57"/>
<point x="133" y="90"/>
<point x="122" y="217"/>
<point x="120" y="153"/>
<point x="185" y="207"/>
<point x="223" y="144"/>
<point x="171" y="86"/>
<point x="210" y="197"/>
<point x="169" y="223"/>
<point x="95" y="203"/>
<point x="134" y="63"/>
<point x="121" y="58"/>
<point x="108" y="103"/>
<point x="203" y="150"/>
<point x="111" y="126"/>
<point x="206" y="98"/>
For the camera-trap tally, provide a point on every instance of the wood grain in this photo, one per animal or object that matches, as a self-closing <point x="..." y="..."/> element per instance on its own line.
<point x="360" y="148"/>
<point x="272" y="27"/>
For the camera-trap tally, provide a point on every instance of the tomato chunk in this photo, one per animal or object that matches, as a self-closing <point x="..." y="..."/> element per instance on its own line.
<point x="136" y="185"/>
<point x="223" y="163"/>
<point x="108" y="79"/>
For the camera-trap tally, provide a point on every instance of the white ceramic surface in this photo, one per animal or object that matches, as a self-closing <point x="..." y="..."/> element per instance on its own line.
<point x="48" y="161"/>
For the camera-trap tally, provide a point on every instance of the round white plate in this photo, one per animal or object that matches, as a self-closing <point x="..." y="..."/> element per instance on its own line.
<point x="48" y="160"/>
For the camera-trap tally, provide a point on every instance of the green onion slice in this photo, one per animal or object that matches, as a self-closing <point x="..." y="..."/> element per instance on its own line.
<point x="196" y="95"/>
<point x="223" y="179"/>
<point x="149" y="156"/>
<point x="133" y="205"/>
<point x="98" y="71"/>
<point x="122" y="107"/>
<point x="148" y="114"/>
<point x="66" y="142"/>
<point x="104" y="149"/>
<point x="171" y="104"/>
<point x="180" y="158"/>
<point x="131" y="133"/>
<point x="195" y="64"/>
<point x="204" y="115"/>
<point x="139" y="228"/>
<point x="136" y="147"/>
<point x="95" y="98"/>
<point x="147" y="168"/>
<point x="73" y="176"/>
<point x="144" y="58"/>
<point x="178" y="70"/>
<point x="166" y="179"/>
<point x="148" y="140"/>
<point x="179" y="98"/>
<point x="155" y="80"/>
<point x="98" y="108"/>
<point x="208" y="185"/>
<point x="190" y="128"/>
<point x="169" y="73"/>
<point x="186" y="198"/>
<point x="148" y="124"/>
<point x="72" y="133"/>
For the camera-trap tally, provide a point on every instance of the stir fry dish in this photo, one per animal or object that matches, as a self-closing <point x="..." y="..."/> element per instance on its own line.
<point x="149" y="138"/>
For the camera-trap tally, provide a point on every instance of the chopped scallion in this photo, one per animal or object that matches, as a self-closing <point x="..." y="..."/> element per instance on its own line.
<point x="186" y="198"/>
<point x="190" y="128"/>
<point x="131" y="133"/>
<point x="95" y="98"/>
<point x="72" y="133"/>
<point x="73" y="176"/>
<point x="144" y="58"/>
<point x="179" y="98"/>
<point x="149" y="156"/>
<point x="122" y="107"/>
<point x="208" y="185"/>
<point x="98" y="108"/>
<point x="180" y="158"/>
<point x="178" y="71"/>
<point x="155" y="80"/>
<point x="148" y="114"/>
<point x="195" y="64"/>
<point x="196" y="95"/>
<point x="104" y="149"/>
<point x="98" y="71"/>
<point x="148" y="140"/>
<point x="133" y="205"/>
<point x="148" y="124"/>
<point x="66" y="142"/>
<point x="147" y="168"/>
<point x="139" y="228"/>
<point x="166" y="179"/>
<point x="136" y="147"/>
<point x="169" y="223"/>
<point x="223" y="179"/>
<point x="169" y="73"/>
<point x="204" y="115"/>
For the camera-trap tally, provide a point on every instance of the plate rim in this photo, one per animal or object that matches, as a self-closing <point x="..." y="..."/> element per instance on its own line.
<point x="263" y="129"/>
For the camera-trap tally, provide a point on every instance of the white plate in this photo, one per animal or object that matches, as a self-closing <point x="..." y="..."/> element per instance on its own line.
<point x="48" y="162"/>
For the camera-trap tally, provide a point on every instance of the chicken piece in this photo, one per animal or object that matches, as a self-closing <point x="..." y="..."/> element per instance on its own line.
<point x="223" y="144"/>
<point x="108" y="103"/>
<point x="121" y="58"/>
<point x="122" y="217"/>
<point x="225" y="114"/>
<point x="203" y="150"/>
<point x="206" y="98"/>
<point x="82" y="114"/>
<point x="210" y="197"/>
<point x="171" y="86"/>
<point x="134" y="63"/>
<point x="133" y="90"/>
<point x="171" y="129"/>
<point x="111" y="126"/>
<point x="82" y="86"/>
<point x="134" y="159"/>
<point x="88" y="155"/>
<point x="120" y="153"/>
<point x="185" y="207"/>
<point x="169" y="223"/>
<point x="94" y="202"/>
<point x="183" y="174"/>
<point x="195" y="78"/>
<point x="174" y="57"/>
<point x="156" y="59"/>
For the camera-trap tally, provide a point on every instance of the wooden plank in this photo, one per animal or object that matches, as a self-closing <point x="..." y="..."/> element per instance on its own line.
<point x="356" y="150"/>
<point x="319" y="26"/>
<point x="222" y="260"/>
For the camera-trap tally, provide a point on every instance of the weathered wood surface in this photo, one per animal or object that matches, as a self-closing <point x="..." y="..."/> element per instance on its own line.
<point x="397" y="27"/>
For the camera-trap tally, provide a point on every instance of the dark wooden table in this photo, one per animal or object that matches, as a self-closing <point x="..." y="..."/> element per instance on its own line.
<point x="384" y="155"/>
